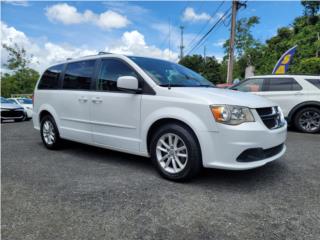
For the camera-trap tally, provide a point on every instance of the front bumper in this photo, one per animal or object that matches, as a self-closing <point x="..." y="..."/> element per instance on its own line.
<point x="29" y="112"/>
<point x="221" y="149"/>
<point x="12" y="114"/>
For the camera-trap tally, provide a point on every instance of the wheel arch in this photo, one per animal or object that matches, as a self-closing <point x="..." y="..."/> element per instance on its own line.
<point x="169" y="120"/>
<point x="300" y="106"/>
<point x="44" y="113"/>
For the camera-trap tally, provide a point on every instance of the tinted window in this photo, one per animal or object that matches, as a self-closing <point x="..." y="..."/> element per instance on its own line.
<point x="283" y="84"/>
<point x="3" y="100"/>
<point x="24" y="101"/>
<point x="251" y="85"/>
<point x="50" y="78"/>
<point x="110" y="71"/>
<point x="167" y="73"/>
<point x="315" y="82"/>
<point x="78" y="75"/>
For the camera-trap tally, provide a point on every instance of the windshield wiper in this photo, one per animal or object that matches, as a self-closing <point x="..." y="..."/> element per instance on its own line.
<point x="171" y="85"/>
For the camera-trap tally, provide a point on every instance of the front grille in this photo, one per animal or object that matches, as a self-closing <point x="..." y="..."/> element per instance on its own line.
<point x="256" y="154"/>
<point x="271" y="117"/>
<point x="12" y="113"/>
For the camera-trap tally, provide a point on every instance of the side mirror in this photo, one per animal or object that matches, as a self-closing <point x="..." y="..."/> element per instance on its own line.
<point x="128" y="84"/>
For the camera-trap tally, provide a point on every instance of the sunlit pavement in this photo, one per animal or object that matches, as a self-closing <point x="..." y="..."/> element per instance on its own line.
<point x="82" y="192"/>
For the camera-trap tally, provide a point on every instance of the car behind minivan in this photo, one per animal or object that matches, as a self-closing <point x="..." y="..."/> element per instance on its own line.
<point x="158" y="109"/>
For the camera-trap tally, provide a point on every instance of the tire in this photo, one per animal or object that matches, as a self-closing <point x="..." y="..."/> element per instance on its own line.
<point x="184" y="147"/>
<point x="307" y="120"/>
<point x="49" y="133"/>
<point x="22" y="119"/>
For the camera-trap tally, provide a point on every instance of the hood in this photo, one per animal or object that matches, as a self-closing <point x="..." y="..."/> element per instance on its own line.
<point x="10" y="106"/>
<point x="223" y="96"/>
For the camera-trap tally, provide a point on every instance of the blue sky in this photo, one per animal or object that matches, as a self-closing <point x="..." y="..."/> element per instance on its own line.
<point x="52" y="31"/>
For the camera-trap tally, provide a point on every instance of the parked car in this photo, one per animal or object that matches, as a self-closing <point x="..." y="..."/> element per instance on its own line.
<point x="26" y="103"/>
<point x="151" y="107"/>
<point x="297" y="95"/>
<point x="11" y="111"/>
<point x="224" y="85"/>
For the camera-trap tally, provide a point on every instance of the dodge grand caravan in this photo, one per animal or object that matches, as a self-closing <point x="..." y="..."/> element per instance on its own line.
<point x="158" y="109"/>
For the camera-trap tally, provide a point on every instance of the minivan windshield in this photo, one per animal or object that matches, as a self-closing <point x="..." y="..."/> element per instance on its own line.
<point x="166" y="73"/>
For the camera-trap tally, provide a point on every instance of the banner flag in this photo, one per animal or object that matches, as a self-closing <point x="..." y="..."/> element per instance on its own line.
<point x="283" y="63"/>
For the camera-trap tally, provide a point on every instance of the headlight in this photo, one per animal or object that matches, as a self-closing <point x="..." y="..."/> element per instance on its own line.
<point x="231" y="115"/>
<point x="282" y="119"/>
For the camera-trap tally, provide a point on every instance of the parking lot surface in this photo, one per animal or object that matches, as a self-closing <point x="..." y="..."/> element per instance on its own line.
<point x="83" y="192"/>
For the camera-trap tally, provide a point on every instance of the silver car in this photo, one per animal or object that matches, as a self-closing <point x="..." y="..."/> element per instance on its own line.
<point x="12" y="111"/>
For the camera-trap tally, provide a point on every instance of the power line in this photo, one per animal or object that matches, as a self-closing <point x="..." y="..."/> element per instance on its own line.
<point x="208" y="21"/>
<point x="165" y="40"/>
<point x="210" y="30"/>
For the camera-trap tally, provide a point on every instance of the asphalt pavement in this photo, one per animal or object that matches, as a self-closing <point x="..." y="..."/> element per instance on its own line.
<point x="83" y="192"/>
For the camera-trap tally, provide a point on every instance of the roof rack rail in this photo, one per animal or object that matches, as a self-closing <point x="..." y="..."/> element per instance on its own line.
<point x="69" y="59"/>
<point x="102" y="52"/>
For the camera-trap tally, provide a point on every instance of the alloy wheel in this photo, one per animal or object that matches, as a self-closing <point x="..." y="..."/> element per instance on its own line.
<point x="310" y="121"/>
<point x="171" y="153"/>
<point x="48" y="132"/>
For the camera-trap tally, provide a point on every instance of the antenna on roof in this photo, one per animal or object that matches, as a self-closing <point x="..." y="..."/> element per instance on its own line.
<point x="101" y="53"/>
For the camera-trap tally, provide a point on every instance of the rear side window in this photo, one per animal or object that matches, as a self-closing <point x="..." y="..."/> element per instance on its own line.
<point x="315" y="82"/>
<point x="251" y="85"/>
<point x="50" y="78"/>
<point x="283" y="84"/>
<point x="78" y="75"/>
<point x="110" y="71"/>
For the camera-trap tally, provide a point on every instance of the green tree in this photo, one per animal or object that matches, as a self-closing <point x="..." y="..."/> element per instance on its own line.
<point x="244" y="39"/>
<point x="209" y="67"/>
<point x="311" y="8"/>
<point x="21" y="79"/>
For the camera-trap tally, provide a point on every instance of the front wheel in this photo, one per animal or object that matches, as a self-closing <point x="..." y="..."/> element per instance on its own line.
<point x="308" y="120"/>
<point x="21" y="119"/>
<point x="49" y="133"/>
<point x="176" y="152"/>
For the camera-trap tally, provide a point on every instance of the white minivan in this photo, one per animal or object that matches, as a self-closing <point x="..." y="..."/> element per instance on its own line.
<point x="158" y="109"/>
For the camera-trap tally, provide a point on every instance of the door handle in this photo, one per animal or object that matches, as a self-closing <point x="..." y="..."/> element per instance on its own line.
<point x="96" y="100"/>
<point x="83" y="99"/>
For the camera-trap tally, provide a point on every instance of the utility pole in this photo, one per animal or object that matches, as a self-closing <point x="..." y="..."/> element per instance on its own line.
<point x="204" y="53"/>
<point x="169" y="39"/>
<point x="181" y="43"/>
<point x="232" y="36"/>
<point x="317" y="53"/>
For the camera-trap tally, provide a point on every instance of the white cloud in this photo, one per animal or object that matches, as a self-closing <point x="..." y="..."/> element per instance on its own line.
<point x="42" y="55"/>
<point x="67" y="14"/>
<point x="163" y="29"/>
<point x="219" y="43"/>
<point x="22" y="3"/>
<point x="47" y="53"/>
<point x="190" y="15"/>
<point x="133" y="43"/>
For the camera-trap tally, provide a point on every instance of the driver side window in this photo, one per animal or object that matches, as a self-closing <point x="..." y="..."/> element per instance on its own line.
<point x="110" y="71"/>
<point x="251" y="85"/>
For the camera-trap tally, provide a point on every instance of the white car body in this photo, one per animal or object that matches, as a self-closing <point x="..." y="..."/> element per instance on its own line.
<point x="288" y="100"/>
<point x="27" y="107"/>
<point x="297" y="95"/>
<point x="121" y="121"/>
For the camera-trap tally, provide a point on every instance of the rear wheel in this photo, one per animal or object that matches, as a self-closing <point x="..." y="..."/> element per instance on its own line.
<point x="49" y="133"/>
<point x="308" y="120"/>
<point x="176" y="152"/>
